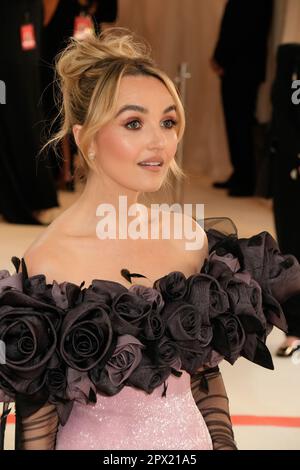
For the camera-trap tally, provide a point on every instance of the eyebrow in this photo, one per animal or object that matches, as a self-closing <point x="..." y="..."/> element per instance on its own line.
<point x="141" y="109"/>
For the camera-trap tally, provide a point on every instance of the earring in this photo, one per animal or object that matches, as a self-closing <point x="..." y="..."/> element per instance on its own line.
<point x="91" y="155"/>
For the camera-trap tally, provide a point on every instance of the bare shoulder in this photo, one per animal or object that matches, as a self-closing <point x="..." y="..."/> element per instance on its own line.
<point x="195" y="242"/>
<point x="41" y="257"/>
<point x="190" y="239"/>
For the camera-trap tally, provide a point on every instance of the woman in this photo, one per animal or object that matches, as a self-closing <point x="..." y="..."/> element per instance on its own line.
<point x="111" y="163"/>
<point x="112" y="362"/>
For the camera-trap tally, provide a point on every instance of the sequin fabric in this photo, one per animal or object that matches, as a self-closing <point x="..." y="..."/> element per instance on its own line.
<point x="133" y="419"/>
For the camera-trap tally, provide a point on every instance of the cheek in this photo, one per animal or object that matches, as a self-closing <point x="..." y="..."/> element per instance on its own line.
<point x="117" y="146"/>
<point x="172" y="145"/>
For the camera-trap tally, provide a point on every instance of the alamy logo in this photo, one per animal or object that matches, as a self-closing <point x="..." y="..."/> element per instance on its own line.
<point x="296" y="94"/>
<point x="2" y="92"/>
<point x="153" y="224"/>
<point x="2" y="352"/>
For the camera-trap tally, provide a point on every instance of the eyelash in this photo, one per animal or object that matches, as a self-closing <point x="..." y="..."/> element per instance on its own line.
<point x="137" y="120"/>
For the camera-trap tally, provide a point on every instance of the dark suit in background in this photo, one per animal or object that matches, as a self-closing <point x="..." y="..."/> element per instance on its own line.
<point x="54" y="38"/>
<point x="26" y="184"/>
<point x="241" y="52"/>
<point x="285" y="136"/>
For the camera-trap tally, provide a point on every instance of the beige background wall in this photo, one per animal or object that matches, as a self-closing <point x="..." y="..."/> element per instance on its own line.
<point x="186" y="31"/>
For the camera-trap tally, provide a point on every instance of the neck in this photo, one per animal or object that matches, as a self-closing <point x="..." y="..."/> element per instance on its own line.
<point x="99" y="191"/>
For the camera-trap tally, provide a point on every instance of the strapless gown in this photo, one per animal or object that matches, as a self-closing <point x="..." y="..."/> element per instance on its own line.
<point x="225" y="311"/>
<point x="133" y="419"/>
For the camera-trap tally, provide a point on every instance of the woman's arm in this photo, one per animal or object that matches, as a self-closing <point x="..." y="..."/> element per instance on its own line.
<point x="210" y="396"/>
<point x="38" y="431"/>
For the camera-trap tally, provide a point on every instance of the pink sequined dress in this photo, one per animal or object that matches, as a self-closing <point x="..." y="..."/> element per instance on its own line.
<point x="133" y="419"/>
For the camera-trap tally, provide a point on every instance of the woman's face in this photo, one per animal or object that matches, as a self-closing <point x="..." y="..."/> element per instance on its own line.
<point x="134" y="135"/>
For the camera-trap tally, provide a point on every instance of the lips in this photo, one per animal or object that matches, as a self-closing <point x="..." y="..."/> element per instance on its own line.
<point x="149" y="164"/>
<point x="152" y="161"/>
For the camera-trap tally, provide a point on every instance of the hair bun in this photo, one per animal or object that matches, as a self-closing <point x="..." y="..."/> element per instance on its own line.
<point x="81" y="55"/>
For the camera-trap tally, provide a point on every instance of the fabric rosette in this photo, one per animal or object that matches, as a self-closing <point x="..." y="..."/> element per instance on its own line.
<point x="168" y="354"/>
<point x="66" y="386"/>
<point x="188" y="318"/>
<point x="86" y="336"/>
<point x="129" y="313"/>
<point x="240" y="331"/>
<point x="205" y="292"/>
<point x="190" y="331"/>
<point x="148" y="375"/>
<point x="64" y="295"/>
<point x="29" y="329"/>
<point x="103" y="291"/>
<point x="150" y="295"/>
<point x="153" y="326"/>
<point x="277" y="274"/>
<point x="256" y="278"/>
<point x="172" y="287"/>
<point x="124" y="360"/>
<point x="8" y="281"/>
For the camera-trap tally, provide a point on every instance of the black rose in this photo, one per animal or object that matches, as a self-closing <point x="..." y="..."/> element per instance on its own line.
<point x="102" y="291"/>
<point x="28" y="328"/>
<point x="154" y="327"/>
<point x="125" y="359"/>
<point x="150" y="295"/>
<point x="7" y="391"/>
<point x="245" y="299"/>
<point x="86" y="336"/>
<point x="128" y="314"/>
<point x="148" y="376"/>
<point x="64" y="295"/>
<point x="173" y="286"/>
<point x="8" y="281"/>
<point x="205" y="292"/>
<point x="278" y="274"/>
<point x="184" y="322"/>
<point x="56" y="381"/>
<point x="228" y="336"/>
<point x="168" y="353"/>
<point x="193" y="353"/>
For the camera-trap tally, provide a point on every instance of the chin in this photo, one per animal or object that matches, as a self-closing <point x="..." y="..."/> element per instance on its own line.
<point x="151" y="187"/>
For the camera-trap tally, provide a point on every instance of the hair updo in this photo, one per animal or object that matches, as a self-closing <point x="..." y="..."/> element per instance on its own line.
<point x="89" y="72"/>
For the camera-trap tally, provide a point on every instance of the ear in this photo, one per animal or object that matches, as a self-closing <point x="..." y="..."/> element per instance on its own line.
<point x="76" y="132"/>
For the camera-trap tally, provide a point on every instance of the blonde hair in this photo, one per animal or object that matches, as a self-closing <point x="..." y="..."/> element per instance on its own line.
<point x="88" y="73"/>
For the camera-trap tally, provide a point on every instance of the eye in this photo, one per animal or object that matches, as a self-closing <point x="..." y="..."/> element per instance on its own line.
<point x="131" y="122"/>
<point x="173" y="123"/>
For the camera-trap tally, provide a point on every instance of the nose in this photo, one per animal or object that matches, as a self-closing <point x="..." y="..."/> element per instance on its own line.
<point x="157" y="138"/>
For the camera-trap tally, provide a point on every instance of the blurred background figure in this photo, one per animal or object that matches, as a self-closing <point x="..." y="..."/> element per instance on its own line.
<point x="240" y="61"/>
<point x="285" y="139"/>
<point x="62" y="19"/>
<point x="26" y="183"/>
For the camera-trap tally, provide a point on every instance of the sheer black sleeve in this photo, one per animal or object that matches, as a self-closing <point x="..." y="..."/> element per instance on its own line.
<point x="38" y="431"/>
<point x="212" y="401"/>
